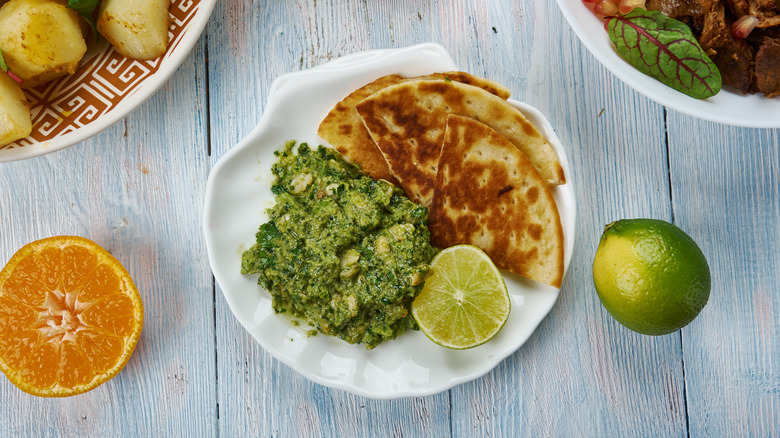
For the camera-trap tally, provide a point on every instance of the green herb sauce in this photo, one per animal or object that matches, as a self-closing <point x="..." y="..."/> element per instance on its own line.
<point x="343" y="251"/>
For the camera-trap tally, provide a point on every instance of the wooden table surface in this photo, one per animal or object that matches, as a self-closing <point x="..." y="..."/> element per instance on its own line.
<point x="137" y="189"/>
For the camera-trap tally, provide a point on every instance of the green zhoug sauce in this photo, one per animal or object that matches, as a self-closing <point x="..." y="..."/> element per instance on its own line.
<point x="343" y="251"/>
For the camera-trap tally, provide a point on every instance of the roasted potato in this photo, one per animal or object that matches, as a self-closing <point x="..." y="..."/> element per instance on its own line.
<point x="137" y="29"/>
<point x="14" y="111"/>
<point x="40" y="39"/>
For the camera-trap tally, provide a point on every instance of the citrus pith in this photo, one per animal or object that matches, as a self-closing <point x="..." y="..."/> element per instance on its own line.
<point x="70" y="317"/>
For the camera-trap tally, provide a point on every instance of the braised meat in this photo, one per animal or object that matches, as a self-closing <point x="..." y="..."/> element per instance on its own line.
<point x="681" y="8"/>
<point x="735" y="62"/>
<point x="738" y="8"/>
<point x="715" y="32"/>
<point x="751" y="64"/>
<point x="767" y="11"/>
<point x="768" y="67"/>
<point x="758" y="35"/>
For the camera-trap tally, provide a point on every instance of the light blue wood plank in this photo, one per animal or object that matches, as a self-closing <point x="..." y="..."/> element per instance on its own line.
<point x="581" y="373"/>
<point x="726" y="193"/>
<point x="618" y="356"/>
<point x="135" y="189"/>
<point x="258" y="396"/>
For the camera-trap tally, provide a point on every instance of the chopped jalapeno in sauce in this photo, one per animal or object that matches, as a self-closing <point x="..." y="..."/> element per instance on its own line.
<point x="343" y="251"/>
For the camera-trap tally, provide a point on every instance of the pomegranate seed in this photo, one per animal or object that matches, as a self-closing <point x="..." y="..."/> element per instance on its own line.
<point x="742" y="27"/>
<point x="627" y="6"/>
<point x="606" y="8"/>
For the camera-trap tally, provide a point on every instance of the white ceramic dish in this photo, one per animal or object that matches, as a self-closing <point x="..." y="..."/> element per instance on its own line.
<point x="728" y="107"/>
<point x="105" y="88"/>
<point x="238" y="193"/>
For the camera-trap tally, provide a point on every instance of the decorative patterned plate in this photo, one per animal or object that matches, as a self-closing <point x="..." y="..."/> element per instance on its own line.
<point x="105" y="88"/>
<point x="239" y="192"/>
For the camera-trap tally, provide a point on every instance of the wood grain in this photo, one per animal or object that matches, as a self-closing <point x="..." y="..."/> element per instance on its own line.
<point x="258" y="395"/>
<point x="137" y="189"/>
<point x="726" y="195"/>
<point x="581" y="372"/>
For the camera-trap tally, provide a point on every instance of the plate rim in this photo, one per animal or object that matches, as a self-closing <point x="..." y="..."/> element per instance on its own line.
<point x="247" y="142"/>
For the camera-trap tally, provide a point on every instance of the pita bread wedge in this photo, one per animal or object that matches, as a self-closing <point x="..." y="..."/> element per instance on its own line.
<point x="491" y="87"/>
<point x="488" y="194"/>
<point x="407" y="122"/>
<point x="343" y="127"/>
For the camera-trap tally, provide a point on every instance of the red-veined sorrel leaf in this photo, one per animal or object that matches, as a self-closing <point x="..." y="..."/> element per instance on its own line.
<point x="665" y="49"/>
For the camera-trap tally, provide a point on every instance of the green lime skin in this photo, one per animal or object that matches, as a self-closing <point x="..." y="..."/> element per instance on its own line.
<point x="650" y="276"/>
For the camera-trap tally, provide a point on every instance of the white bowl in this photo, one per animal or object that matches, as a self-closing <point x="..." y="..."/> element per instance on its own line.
<point x="728" y="106"/>
<point x="239" y="192"/>
<point x="105" y="88"/>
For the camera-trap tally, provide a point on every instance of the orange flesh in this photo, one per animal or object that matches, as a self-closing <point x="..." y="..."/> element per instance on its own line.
<point x="68" y="315"/>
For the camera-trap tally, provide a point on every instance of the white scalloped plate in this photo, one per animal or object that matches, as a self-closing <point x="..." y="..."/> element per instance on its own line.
<point x="238" y="194"/>
<point x="728" y="106"/>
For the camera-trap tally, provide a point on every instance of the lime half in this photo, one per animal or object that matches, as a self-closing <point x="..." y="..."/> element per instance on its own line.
<point x="464" y="301"/>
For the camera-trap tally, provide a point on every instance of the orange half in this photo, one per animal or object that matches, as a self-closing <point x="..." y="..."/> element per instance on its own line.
<point x="70" y="317"/>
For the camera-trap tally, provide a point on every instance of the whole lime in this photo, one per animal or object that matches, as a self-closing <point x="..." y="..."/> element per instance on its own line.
<point x="650" y="275"/>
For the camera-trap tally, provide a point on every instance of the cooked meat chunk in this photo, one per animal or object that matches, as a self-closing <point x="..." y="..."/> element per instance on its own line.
<point x="714" y="29"/>
<point x="765" y="4"/>
<point x="767" y="11"/>
<point x="768" y="67"/>
<point x="735" y="62"/>
<point x="738" y="8"/>
<point x="769" y="19"/>
<point x="679" y="8"/>
<point x="758" y="35"/>
<point x="750" y="65"/>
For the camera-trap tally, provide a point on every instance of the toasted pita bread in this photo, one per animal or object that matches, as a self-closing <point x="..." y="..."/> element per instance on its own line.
<point x="491" y="87"/>
<point x="488" y="194"/>
<point x="407" y="122"/>
<point x="343" y="127"/>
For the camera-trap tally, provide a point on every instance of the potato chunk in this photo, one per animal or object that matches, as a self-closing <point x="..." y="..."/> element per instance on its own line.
<point x="14" y="111"/>
<point x="40" y="39"/>
<point x="137" y="29"/>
